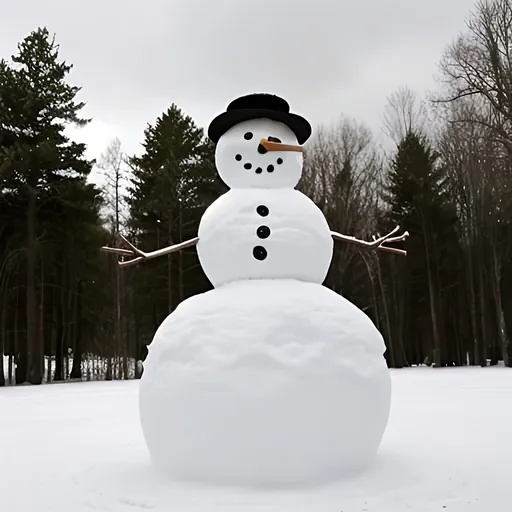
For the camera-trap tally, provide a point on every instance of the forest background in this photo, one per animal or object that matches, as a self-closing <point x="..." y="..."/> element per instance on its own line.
<point x="68" y="311"/>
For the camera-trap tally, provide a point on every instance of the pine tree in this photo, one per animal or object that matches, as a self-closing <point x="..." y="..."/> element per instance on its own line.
<point x="418" y="200"/>
<point x="36" y="105"/>
<point x="174" y="180"/>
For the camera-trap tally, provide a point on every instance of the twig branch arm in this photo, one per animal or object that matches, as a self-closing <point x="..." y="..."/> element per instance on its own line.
<point x="376" y="243"/>
<point x="134" y="251"/>
<point x="164" y="251"/>
<point x="117" y="250"/>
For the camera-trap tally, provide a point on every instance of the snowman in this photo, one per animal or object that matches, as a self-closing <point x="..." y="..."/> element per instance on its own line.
<point x="270" y="378"/>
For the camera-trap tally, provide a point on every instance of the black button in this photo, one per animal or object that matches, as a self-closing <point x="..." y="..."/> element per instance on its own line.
<point x="270" y="168"/>
<point x="259" y="252"/>
<point x="263" y="232"/>
<point x="279" y="161"/>
<point x="262" y="210"/>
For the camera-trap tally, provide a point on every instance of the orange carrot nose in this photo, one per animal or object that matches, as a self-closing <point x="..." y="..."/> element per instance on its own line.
<point x="278" y="146"/>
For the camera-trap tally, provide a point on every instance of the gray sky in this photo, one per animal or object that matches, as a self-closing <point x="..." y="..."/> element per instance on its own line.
<point x="326" y="57"/>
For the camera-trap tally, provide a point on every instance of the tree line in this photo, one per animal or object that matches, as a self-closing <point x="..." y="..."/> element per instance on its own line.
<point x="68" y="311"/>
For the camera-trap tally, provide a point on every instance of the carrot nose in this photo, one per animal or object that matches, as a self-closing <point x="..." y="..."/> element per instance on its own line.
<point x="278" y="146"/>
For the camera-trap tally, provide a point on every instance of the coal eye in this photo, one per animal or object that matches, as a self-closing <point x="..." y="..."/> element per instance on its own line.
<point x="248" y="136"/>
<point x="273" y="139"/>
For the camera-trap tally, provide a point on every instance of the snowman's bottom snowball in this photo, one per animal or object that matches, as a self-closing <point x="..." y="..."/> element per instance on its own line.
<point x="265" y="383"/>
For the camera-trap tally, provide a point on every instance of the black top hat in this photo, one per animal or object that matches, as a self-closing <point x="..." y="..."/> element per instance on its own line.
<point x="257" y="106"/>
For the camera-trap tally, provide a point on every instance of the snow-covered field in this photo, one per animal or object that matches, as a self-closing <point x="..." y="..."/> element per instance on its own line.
<point x="78" y="447"/>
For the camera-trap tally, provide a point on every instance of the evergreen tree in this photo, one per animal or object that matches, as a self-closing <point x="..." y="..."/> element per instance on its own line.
<point x="36" y="104"/>
<point x="69" y="257"/>
<point x="174" y="180"/>
<point x="417" y="195"/>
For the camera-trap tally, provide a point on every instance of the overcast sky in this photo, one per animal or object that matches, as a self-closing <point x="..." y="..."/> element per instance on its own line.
<point x="326" y="57"/>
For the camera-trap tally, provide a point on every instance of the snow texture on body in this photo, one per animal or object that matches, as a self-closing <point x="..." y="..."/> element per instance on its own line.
<point x="79" y="448"/>
<point x="268" y="382"/>
<point x="284" y="223"/>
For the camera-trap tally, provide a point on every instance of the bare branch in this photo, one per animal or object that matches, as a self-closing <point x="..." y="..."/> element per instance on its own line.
<point x="140" y="255"/>
<point x="376" y="243"/>
<point x="479" y="65"/>
<point x="113" y="167"/>
<point x="403" y="113"/>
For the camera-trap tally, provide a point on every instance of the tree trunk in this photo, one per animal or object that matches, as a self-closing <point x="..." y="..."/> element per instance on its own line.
<point x="45" y="368"/>
<point x="54" y="332"/>
<point x="118" y="335"/>
<point x="387" y="322"/>
<point x="483" y="320"/>
<point x="475" y="352"/>
<point x="500" y="317"/>
<point x="10" y="369"/>
<point x="436" y="352"/>
<point x="20" y="350"/>
<point x="34" y="350"/>
<point x="3" y="342"/>
<point x="181" y="292"/>
<point x="61" y="327"/>
<point x="108" y="372"/>
<point x="11" y="350"/>
<point x="76" y="369"/>
<point x="125" y="330"/>
<point x="169" y="266"/>
<point x="59" y="353"/>
<point x="138" y="350"/>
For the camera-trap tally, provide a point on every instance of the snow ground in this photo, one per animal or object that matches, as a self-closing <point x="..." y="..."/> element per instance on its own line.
<point x="78" y="447"/>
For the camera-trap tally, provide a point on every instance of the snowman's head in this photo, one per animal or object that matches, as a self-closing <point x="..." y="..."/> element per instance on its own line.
<point x="259" y="153"/>
<point x="259" y="143"/>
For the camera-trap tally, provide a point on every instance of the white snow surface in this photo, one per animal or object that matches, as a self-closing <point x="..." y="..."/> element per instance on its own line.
<point x="78" y="447"/>
<point x="286" y="167"/>
<point x="299" y="245"/>
<point x="265" y="383"/>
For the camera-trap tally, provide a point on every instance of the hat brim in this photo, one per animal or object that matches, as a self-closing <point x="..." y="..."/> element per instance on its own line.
<point x="223" y="122"/>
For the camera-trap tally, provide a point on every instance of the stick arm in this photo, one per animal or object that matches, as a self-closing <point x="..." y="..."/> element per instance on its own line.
<point x="172" y="248"/>
<point x="377" y="243"/>
<point x="134" y="251"/>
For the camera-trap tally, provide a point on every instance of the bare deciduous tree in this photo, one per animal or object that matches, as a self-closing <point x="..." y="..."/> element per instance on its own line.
<point x="341" y="174"/>
<point x="114" y="171"/>
<point x="112" y="163"/>
<point x="479" y="64"/>
<point x="403" y="113"/>
<point x="480" y="177"/>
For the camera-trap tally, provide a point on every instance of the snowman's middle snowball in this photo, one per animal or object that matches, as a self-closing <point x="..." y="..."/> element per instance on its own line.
<point x="262" y="234"/>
